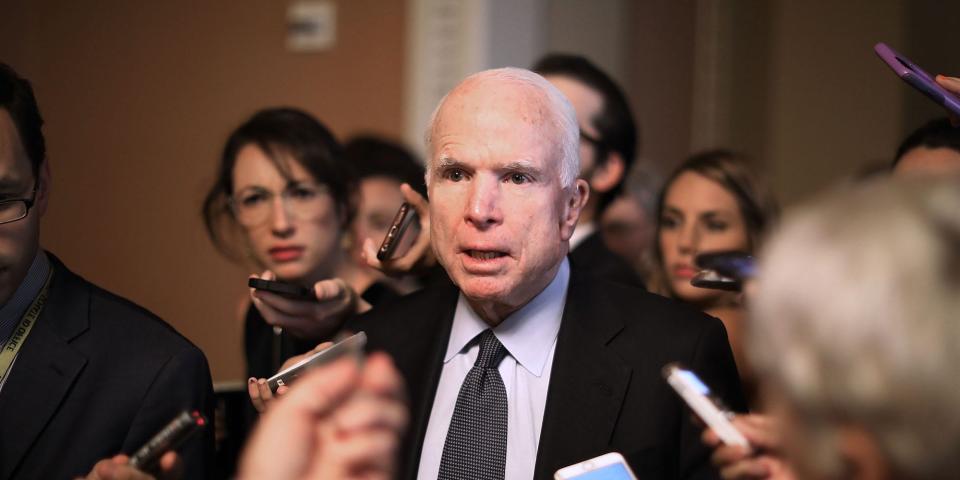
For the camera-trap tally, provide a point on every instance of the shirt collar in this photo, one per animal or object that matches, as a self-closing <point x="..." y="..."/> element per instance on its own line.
<point x="580" y="233"/>
<point x="528" y="334"/>
<point x="12" y="311"/>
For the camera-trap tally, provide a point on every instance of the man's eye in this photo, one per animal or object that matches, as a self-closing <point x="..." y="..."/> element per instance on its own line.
<point x="454" y="175"/>
<point x="519" y="178"/>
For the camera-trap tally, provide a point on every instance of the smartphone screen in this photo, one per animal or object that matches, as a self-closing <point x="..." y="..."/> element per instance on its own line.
<point x="609" y="466"/>
<point x="616" y="471"/>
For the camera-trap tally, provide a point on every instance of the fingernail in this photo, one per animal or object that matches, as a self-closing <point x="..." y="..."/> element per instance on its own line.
<point x="251" y="380"/>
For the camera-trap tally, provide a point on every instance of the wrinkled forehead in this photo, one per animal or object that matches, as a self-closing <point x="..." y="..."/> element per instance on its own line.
<point x="504" y="113"/>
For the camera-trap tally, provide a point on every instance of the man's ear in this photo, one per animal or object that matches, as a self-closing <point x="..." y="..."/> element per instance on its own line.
<point x="608" y="174"/>
<point x="576" y="200"/>
<point x="44" y="182"/>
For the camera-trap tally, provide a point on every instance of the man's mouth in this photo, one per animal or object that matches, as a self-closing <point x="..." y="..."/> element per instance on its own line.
<point x="485" y="254"/>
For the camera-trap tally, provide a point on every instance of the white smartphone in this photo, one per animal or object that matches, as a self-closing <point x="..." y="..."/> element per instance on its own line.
<point x="610" y="466"/>
<point x="352" y="345"/>
<point x="706" y="405"/>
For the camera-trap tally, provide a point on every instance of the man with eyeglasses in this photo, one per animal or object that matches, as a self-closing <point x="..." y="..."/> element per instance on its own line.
<point x="608" y="144"/>
<point x="84" y="374"/>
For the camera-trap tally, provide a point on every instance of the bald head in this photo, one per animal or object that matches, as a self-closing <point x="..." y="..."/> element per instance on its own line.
<point x="487" y="96"/>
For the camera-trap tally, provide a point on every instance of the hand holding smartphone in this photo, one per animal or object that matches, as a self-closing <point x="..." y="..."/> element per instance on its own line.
<point x="706" y="405"/>
<point x="917" y="78"/>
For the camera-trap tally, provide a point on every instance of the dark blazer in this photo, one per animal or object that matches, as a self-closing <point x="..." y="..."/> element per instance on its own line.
<point x="594" y="257"/>
<point x="606" y="391"/>
<point x="98" y="376"/>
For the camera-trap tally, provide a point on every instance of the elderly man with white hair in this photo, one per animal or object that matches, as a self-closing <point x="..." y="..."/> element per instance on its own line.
<point x="855" y="336"/>
<point x="521" y="364"/>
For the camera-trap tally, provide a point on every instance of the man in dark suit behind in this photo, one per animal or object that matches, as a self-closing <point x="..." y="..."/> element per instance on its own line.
<point x="86" y="374"/>
<point x="608" y="148"/>
<point x="581" y="368"/>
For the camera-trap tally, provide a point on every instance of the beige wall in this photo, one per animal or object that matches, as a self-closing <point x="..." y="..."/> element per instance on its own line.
<point x="832" y="106"/>
<point x="138" y="98"/>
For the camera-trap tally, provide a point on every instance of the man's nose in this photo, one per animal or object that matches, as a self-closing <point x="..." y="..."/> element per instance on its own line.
<point x="280" y="221"/>
<point x="483" y="207"/>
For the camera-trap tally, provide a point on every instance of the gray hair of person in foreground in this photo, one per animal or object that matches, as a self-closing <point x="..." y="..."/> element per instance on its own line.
<point x="856" y="322"/>
<point x="564" y="133"/>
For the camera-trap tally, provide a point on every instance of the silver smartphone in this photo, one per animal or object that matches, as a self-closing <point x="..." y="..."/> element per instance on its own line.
<point x="609" y="466"/>
<point x="702" y="401"/>
<point x="352" y="345"/>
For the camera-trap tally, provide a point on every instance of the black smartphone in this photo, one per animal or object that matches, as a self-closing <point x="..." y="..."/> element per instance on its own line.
<point x="734" y="264"/>
<point x="181" y="428"/>
<point x="402" y="233"/>
<point x="726" y="270"/>
<point x="288" y="290"/>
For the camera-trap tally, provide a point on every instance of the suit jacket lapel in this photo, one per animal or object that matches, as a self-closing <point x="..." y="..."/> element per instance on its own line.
<point x="418" y="348"/>
<point x="45" y="369"/>
<point x="588" y="383"/>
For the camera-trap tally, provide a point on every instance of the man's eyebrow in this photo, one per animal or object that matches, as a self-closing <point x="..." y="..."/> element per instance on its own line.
<point x="523" y="166"/>
<point x="445" y="161"/>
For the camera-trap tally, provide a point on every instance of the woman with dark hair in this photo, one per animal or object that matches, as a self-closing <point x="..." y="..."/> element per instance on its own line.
<point x="711" y="202"/>
<point x="282" y="200"/>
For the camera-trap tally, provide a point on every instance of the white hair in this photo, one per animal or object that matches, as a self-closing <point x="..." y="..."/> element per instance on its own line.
<point x="559" y="115"/>
<point x="856" y="321"/>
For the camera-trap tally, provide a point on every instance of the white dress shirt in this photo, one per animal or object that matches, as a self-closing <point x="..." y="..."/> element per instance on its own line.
<point x="530" y="337"/>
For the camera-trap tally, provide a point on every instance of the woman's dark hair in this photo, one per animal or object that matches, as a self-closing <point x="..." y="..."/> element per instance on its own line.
<point x="373" y="156"/>
<point x="937" y="133"/>
<point x="729" y="169"/>
<point x="280" y="133"/>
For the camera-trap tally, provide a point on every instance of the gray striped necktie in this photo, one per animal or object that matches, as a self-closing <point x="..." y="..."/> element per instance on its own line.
<point x="476" y="444"/>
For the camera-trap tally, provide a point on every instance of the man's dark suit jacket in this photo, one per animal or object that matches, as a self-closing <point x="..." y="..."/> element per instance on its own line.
<point x="606" y="390"/>
<point x="97" y="376"/>
<point x="593" y="256"/>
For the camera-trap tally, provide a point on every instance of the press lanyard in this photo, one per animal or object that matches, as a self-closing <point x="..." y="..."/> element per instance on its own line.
<point x="19" y="335"/>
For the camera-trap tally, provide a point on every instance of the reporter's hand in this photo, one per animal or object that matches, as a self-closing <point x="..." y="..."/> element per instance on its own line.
<point x="259" y="390"/>
<point x="952" y="84"/>
<point x="336" y="422"/>
<point x="420" y="256"/>
<point x="116" y="468"/>
<point x="761" y="461"/>
<point x="336" y="301"/>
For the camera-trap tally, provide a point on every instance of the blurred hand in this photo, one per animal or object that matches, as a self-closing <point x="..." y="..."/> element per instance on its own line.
<point x="259" y="390"/>
<point x="952" y="84"/>
<point x="420" y="256"/>
<point x="336" y="302"/>
<point x="116" y="468"/>
<point x="761" y="461"/>
<point x="337" y="422"/>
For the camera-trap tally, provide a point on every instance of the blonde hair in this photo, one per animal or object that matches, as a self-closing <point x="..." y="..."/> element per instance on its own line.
<point x="857" y="322"/>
